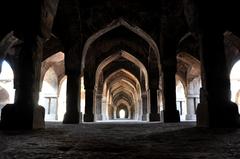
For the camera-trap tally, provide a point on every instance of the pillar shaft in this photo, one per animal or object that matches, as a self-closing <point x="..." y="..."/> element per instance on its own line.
<point x="215" y="108"/>
<point x="72" y="115"/>
<point x="20" y="114"/>
<point x="144" y="107"/>
<point x="171" y="113"/>
<point x="154" y="115"/>
<point x="99" y="107"/>
<point x="114" y="112"/>
<point x="191" y="106"/>
<point x="88" y="116"/>
<point x="169" y="66"/>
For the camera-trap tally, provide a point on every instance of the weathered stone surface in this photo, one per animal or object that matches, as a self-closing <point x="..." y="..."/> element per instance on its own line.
<point x="121" y="140"/>
<point x="38" y="117"/>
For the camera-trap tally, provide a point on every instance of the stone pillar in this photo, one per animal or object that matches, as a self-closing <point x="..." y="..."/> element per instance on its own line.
<point x="20" y="115"/>
<point x="99" y="107"/>
<point x="154" y="115"/>
<point x="171" y="114"/>
<point x="89" y="116"/>
<point x="129" y="112"/>
<point x="89" y="83"/>
<point x="72" y="114"/>
<point x="144" y="107"/>
<point x="115" y="112"/>
<point x="104" y="108"/>
<point x="169" y="64"/>
<point x="215" y="108"/>
<point x="191" y="106"/>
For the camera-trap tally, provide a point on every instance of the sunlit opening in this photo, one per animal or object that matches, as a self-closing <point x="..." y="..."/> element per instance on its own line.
<point x="7" y="92"/>
<point x="48" y="94"/>
<point x="180" y="99"/>
<point x="235" y="83"/>
<point x="62" y="100"/>
<point x="6" y="81"/>
<point x="122" y="113"/>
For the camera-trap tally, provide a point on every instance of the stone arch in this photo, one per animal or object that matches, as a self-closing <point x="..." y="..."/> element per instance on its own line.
<point x="179" y="78"/>
<point x="117" y="55"/>
<point x="151" y="60"/>
<point x="49" y="94"/>
<point x="192" y="83"/>
<point x="232" y="49"/>
<point x="51" y="61"/>
<point x="122" y="71"/>
<point x="130" y="86"/>
<point x="193" y="65"/>
<point x="115" y="24"/>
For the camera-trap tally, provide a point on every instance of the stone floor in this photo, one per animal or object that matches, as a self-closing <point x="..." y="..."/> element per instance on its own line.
<point x="121" y="140"/>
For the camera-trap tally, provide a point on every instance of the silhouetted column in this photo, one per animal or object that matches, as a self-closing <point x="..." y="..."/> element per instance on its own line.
<point x="99" y="107"/>
<point x="169" y="65"/>
<point x="20" y="114"/>
<point x="170" y="111"/>
<point x="154" y="115"/>
<point x="144" y="106"/>
<point x="72" y="114"/>
<point x="153" y="73"/>
<point x="215" y="108"/>
<point x="35" y="27"/>
<point x="89" y="116"/>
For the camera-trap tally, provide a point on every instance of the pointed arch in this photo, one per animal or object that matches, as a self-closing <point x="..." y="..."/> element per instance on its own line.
<point x="115" y="24"/>
<point x="125" y="55"/>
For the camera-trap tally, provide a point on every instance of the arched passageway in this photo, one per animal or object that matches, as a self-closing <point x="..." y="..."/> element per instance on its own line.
<point x="235" y="83"/>
<point x="188" y="85"/>
<point x="7" y="91"/>
<point x="181" y="99"/>
<point x="49" y="94"/>
<point x="121" y="74"/>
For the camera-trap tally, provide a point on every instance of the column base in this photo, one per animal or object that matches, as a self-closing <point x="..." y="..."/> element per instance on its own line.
<point x="71" y="118"/>
<point x="88" y="118"/>
<point x="171" y="116"/>
<point x="38" y="117"/>
<point x="154" y="117"/>
<point x="190" y="117"/>
<point x="145" y="117"/>
<point x="15" y="118"/>
<point x="221" y="115"/>
<point x="99" y="117"/>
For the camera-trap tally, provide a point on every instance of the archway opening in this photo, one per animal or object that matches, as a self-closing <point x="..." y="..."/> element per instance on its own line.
<point x="121" y="78"/>
<point x="121" y="88"/>
<point x="189" y="73"/>
<point x="53" y="85"/>
<point x="181" y="99"/>
<point x="7" y="91"/>
<point x="122" y="114"/>
<point x="48" y="94"/>
<point x="235" y="83"/>
<point x="119" y="46"/>
<point x="62" y="99"/>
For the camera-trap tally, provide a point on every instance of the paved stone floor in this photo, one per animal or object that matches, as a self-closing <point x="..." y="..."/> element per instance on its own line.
<point x="119" y="140"/>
